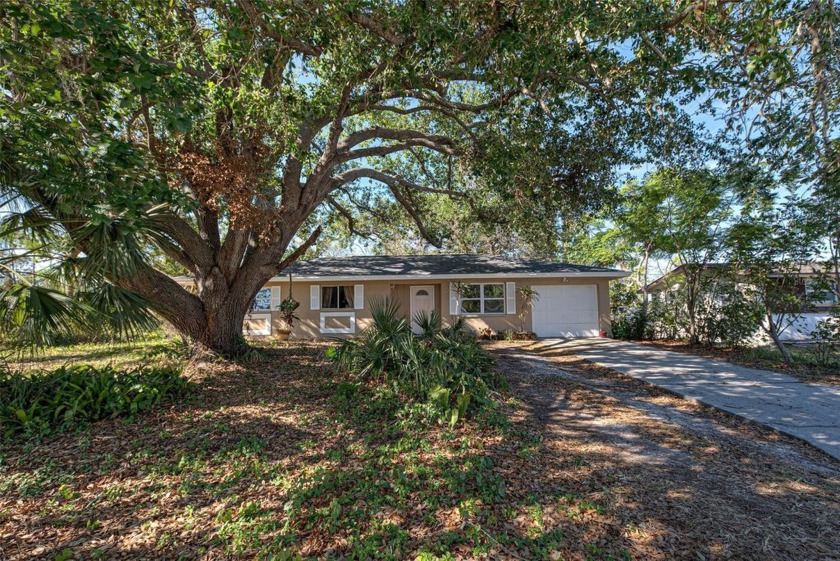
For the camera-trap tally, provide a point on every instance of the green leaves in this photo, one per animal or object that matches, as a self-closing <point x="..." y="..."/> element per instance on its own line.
<point x="34" y="316"/>
<point x="506" y="121"/>
<point x="121" y="313"/>
<point x="70" y="395"/>
<point x="446" y="367"/>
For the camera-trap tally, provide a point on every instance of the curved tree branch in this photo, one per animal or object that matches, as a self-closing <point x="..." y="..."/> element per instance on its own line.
<point x="387" y="133"/>
<point x="391" y="180"/>
<point x="412" y="211"/>
<point x="377" y="151"/>
<point x="302" y="248"/>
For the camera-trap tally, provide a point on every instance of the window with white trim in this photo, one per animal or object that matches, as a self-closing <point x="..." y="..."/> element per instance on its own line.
<point x="337" y="297"/>
<point x="262" y="301"/>
<point x="482" y="298"/>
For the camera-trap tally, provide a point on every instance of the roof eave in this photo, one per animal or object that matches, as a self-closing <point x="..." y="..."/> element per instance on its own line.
<point x="337" y="278"/>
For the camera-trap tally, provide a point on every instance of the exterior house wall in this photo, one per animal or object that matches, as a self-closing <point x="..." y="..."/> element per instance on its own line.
<point x="800" y="329"/>
<point x="511" y="321"/>
<point x="309" y="324"/>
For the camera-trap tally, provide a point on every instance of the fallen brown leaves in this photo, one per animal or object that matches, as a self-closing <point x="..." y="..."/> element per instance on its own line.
<point x="690" y="481"/>
<point x="264" y="460"/>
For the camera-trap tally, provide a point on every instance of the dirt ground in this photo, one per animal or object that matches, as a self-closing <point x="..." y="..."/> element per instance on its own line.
<point x="698" y="483"/>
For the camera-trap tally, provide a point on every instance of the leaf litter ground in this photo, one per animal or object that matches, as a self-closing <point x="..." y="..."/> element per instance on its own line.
<point x="282" y="457"/>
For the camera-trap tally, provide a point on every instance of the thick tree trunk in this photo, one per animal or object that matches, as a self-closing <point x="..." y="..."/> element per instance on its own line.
<point x="222" y="334"/>
<point x="216" y="327"/>
<point x="218" y="333"/>
<point x="227" y="278"/>
<point x="224" y="307"/>
<point x="213" y="317"/>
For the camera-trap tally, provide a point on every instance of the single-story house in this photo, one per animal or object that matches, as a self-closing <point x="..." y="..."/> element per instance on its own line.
<point x="812" y="282"/>
<point x="335" y="294"/>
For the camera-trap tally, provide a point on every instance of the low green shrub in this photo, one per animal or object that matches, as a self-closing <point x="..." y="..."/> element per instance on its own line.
<point x="630" y="326"/>
<point x="826" y="337"/>
<point x="803" y="355"/>
<point x="71" y="395"/>
<point x="444" y="366"/>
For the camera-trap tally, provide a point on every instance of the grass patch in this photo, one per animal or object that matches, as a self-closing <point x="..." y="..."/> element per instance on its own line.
<point x="157" y="348"/>
<point x="803" y="355"/>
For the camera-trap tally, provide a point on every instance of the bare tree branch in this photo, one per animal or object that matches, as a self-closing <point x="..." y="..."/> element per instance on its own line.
<point x="391" y="180"/>
<point x="351" y="221"/>
<point x="412" y="211"/>
<point x="387" y="133"/>
<point x="302" y="248"/>
<point x="378" y="151"/>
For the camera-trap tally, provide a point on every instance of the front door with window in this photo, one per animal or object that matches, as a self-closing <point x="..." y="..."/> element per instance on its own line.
<point x="422" y="300"/>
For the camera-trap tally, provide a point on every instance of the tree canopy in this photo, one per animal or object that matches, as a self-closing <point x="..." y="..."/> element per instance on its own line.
<point x="225" y="134"/>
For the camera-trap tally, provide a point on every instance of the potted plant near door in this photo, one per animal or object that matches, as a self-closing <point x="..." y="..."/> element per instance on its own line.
<point x="287" y="314"/>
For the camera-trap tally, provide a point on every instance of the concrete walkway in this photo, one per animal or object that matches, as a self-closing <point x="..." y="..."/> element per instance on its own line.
<point x="807" y="411"/>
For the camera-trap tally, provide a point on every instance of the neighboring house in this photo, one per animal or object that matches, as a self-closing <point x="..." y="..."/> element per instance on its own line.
<point x="673" y="279"/>
<point x="810" y="286"/>
<point x="335" y="294"/>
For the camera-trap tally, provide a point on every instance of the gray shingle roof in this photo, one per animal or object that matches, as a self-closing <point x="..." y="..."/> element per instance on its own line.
<point x="438" y="265"/>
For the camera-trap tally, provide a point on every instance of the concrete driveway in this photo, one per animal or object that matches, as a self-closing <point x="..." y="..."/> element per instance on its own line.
<point x="807" y="411"/>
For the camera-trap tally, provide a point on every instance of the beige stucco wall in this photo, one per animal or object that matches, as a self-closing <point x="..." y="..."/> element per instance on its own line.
<point x="308" y="327"/>
<point x="512" y="321"/>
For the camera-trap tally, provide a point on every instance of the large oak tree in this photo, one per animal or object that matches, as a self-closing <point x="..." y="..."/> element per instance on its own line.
<point x="223" y="132"/>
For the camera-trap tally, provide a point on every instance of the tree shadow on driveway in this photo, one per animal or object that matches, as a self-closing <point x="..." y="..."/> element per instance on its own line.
<point x="697" y="480"/>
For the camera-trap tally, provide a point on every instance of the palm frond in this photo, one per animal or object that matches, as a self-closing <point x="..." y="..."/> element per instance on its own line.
<point x="36" y="316"/>
<point x="387" y="319"/>
<point x="430" y="323"/>
<point x="122" y="313"/>
<point x="112" y="248"/>
<point x="34" y="223"/>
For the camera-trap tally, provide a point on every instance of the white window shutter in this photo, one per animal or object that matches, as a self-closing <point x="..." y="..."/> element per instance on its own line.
<point x="315" y="297"/>
<point x="510" y="296"/>
<point x="454" y="304"/>
<point x="359" y="296"/>
<point x="275" y="297"/>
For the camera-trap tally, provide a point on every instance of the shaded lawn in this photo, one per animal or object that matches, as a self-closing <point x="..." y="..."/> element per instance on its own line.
<point x="766" y="357"/>
<point x="157" y="348"/>
<point x="282" y="456"/>
<point x="696" y="482"/>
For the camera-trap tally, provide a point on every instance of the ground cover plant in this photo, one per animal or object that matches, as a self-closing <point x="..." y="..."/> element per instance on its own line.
<point x="276" y="462"/>
<point x="70" y="396"/>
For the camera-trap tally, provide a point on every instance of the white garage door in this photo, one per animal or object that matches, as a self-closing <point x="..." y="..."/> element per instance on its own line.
<point x="566" y="311"/>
